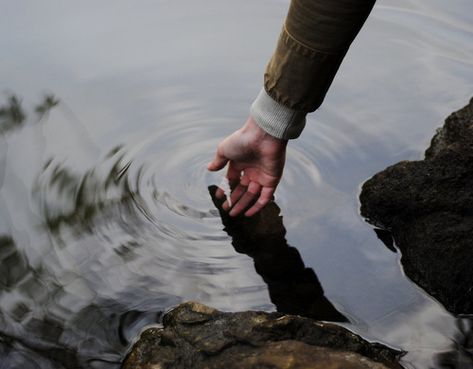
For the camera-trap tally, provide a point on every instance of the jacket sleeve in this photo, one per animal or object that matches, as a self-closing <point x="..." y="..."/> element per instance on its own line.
<point x="314" y="40"/>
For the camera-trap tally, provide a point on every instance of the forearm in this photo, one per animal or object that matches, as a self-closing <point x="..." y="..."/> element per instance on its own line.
<point x="314" y="40"/>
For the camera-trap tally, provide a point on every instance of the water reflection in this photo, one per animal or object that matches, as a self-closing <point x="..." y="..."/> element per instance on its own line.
<point x="293" y="288"/>
<point x="71" y="309"/>
<point x="39" y="331"/>
<point x="386" y="238"/>
<point x="83" y="201"/>
<point x="43" y="109"/>
<point x="21" y="291"/>
<point x="461" y="354"/>
<point x="118" y="243"/>
<point x="49" y="316"/>
<point x="104" y="260"/>
<point x="13" y="115"/>
<point x="100" y="251"/>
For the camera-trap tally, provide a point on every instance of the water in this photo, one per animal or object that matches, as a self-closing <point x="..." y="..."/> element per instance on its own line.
<point x="105" y="216"/>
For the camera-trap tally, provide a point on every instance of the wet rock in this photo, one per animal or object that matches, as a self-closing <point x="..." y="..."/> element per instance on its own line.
<point x="428" y="207"/>
<point x="197" y="336"/>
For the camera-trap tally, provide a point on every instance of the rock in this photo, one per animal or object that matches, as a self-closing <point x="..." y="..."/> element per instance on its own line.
<point x="427" y="205"/>
<point x="196" y="336"/>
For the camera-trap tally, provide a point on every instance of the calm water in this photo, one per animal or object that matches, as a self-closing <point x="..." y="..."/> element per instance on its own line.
<point x="111" y="111"/>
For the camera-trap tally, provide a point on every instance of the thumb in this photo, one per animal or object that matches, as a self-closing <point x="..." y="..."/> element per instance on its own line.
<point x="218" y="163"/>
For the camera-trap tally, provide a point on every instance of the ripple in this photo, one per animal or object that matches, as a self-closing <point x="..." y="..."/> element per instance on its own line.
<point x="111" y="242"/>
<point x="142" y="218"/>
<point x="168" y="173"/>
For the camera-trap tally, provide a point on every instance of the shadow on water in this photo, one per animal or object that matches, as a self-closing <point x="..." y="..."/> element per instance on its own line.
<point x="293" y="288"/>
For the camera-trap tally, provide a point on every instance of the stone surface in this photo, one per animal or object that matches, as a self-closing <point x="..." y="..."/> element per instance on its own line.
<point x="196" y="336"/>
<point x="427" y="205"/>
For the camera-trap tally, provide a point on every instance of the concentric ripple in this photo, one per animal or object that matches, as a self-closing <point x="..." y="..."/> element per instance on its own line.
<point x="167" y="171"/>
<point x="148" y="204"/>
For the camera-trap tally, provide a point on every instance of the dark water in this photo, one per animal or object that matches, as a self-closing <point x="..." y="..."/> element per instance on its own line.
<point x="109" y="113"/>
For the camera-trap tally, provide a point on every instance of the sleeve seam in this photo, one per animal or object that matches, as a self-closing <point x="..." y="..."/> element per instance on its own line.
<point x="302" y="48"/>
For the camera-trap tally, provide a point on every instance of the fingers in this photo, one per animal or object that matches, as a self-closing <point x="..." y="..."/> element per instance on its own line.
<point x="234" y="197"/>
<point x="265" y="197"/>
<point x="244" y="194"/>
<point x="245" y="200"/>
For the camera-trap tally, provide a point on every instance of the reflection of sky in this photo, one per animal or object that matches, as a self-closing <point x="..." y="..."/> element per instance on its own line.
<point x="139" y="74"/>
<point x="126" y="56"/>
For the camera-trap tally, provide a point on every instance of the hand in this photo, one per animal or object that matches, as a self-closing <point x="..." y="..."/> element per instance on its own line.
<point x="256" y="162"/>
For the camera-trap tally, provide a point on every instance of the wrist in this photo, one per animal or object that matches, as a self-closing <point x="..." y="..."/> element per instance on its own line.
<point x="260" y="135"/>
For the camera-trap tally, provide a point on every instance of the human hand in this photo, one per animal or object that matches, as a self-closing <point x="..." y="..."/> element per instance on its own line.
<point x="255" y="166"/>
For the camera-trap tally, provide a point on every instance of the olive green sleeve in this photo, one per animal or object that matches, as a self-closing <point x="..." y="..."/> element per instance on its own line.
<point x="314" y="40"/>
<point x="311" y="47"/>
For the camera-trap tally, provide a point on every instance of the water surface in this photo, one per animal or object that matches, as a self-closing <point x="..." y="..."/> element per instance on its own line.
<point x="111" y="111"/>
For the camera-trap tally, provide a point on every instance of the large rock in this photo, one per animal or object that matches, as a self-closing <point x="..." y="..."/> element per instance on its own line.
<point x="196" y="336"/>
<point x="428" y="207"/>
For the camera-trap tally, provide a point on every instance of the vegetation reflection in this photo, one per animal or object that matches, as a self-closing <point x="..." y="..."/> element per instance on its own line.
<point x="82" y="201"/>
<point x="13" y="115"/>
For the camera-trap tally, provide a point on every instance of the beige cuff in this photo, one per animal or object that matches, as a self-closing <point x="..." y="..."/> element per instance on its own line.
<point x="276" y="119"/>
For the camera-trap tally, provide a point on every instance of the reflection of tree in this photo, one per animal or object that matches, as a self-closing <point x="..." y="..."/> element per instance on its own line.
<point x="293" y="288"/>
<point x="13" y="265"/>
<point x="13" y="115"/>
<point x="100" y="194"/>
<point x="22" y="291"/>
<point x="46" y="105"/>
<point x="38" y="331"/>
<point x="461" y="355"/>
<point x="50" y="316"/>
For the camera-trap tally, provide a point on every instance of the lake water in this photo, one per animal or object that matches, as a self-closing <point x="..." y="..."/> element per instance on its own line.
<point x="105" y="216"/>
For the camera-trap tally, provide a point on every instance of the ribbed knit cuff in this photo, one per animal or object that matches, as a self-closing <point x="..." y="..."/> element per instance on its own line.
<point x="276" y="119"/>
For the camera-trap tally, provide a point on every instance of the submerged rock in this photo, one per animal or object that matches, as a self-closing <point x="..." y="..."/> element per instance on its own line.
<point x="196" y="336"/>
<point x="428" y="207"/>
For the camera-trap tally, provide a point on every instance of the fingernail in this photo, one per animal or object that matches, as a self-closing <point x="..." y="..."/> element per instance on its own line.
<point x="233" y="213"/>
